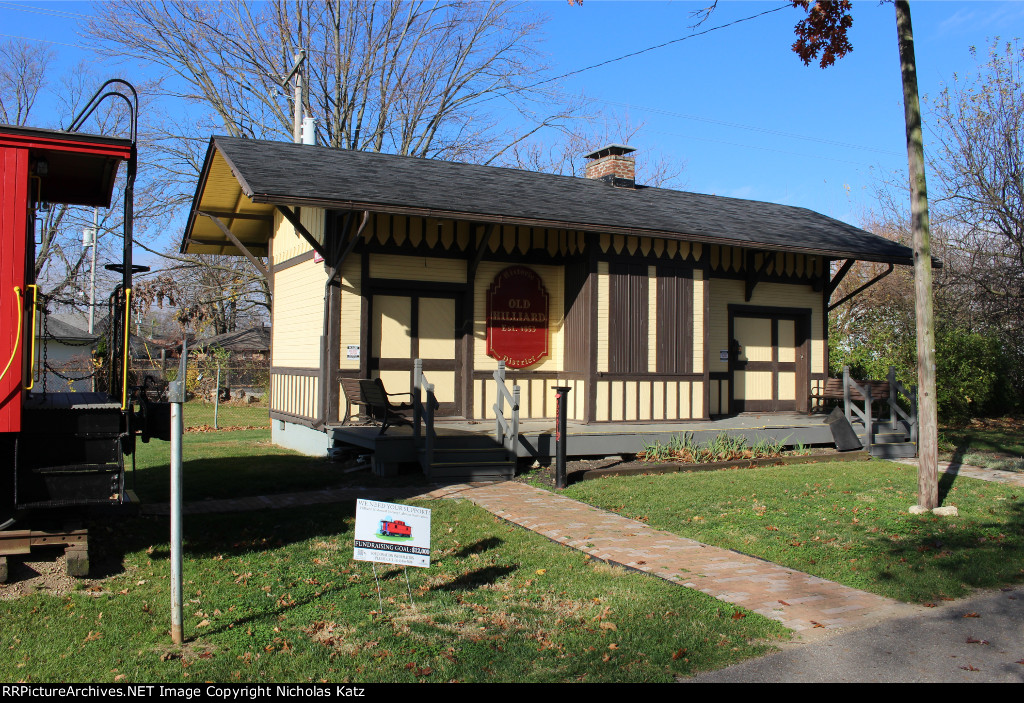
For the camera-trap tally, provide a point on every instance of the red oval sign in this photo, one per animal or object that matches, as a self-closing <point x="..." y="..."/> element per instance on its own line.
<point x="517" y="317"/>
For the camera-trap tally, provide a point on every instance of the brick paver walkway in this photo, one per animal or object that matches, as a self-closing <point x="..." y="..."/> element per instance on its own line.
<point x="799" y="601"/>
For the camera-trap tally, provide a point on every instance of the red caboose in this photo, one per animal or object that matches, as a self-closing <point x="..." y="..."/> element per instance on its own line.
<point x="59" y="452"/>
<point x="395" y="529"/>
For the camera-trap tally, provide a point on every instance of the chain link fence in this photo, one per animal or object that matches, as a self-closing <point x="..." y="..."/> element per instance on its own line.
<point x="221" y="393"/>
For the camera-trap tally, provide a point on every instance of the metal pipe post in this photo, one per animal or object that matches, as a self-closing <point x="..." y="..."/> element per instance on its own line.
<point x="176" y="393"/>
<point x="561" y="395"/>
<point x="176" y="561"/>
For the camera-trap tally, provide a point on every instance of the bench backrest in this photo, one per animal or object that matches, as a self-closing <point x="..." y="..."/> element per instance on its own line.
<point x="352" y="392"/>
<point x="834" y="389"/>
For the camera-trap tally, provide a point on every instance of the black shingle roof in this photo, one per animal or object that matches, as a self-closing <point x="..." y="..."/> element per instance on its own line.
<point x="283" y="173"/>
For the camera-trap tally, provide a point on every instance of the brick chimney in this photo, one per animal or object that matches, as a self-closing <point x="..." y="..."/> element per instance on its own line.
<point x="611" y="165"/>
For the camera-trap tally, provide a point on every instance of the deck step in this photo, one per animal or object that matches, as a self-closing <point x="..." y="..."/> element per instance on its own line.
<point x="493" y="471"/>
<point x="894" y="450"/>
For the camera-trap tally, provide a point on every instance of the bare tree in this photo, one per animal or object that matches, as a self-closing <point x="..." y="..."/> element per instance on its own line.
<point x="979" y="166"/>
<point x="416" y="78"/>
<point x="564" y="155"/>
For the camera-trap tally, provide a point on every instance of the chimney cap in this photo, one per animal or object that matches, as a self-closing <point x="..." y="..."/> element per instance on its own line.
<point x="610" y="150"/>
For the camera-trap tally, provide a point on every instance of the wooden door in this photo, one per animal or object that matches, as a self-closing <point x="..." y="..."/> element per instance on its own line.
<point x="405" y="327"/>
<point x="769" y="361"/>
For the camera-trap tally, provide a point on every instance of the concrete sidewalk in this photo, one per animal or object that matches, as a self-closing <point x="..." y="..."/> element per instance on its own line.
<point x="975" y="640"/>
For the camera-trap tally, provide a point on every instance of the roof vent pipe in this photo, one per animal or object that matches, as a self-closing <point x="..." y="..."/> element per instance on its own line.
<point x="309" y="130"/>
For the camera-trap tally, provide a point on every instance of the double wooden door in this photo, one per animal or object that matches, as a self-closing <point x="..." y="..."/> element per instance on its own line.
<point x="407" y="326"/>
<point x="769" y="360"/>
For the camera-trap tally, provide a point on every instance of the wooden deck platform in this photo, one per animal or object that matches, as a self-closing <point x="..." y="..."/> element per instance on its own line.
<point x="537" y="437"/>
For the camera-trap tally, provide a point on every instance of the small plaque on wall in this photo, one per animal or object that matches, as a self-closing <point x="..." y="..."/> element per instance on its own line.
<point x="353" y="352"/>
<point x="723" y="355"/>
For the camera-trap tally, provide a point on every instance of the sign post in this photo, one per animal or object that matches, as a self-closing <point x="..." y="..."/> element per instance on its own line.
<point x="561" y="396"/>
<point x="392" y="533"/>
<point x="176" y="394"/>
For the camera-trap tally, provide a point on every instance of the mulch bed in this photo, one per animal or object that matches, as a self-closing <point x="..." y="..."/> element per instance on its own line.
<point x="629" y="465"/>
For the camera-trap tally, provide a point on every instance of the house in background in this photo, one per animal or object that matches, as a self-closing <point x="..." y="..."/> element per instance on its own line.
<point x="64" y="353"/>
<point x="249" y="344"/>
<point x="652" y="305"/>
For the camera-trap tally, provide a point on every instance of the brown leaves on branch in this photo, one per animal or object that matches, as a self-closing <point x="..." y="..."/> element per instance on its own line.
<point x="824" y="31"/>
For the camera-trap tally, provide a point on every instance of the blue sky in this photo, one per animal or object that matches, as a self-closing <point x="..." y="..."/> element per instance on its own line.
<point x="735" y="106"/>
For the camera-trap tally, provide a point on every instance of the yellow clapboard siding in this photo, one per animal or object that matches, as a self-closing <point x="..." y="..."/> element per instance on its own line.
<point x="699" y="292"/>
<point x="298" y="315"/>
<point x="351" y="311"/>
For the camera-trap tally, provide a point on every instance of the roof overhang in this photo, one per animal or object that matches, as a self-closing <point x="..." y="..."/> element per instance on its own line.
<point x="223" y="193"/>
<point x="68" y="167"/>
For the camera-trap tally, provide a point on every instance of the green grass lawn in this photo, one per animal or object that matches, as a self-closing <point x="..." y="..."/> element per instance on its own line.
<point x="275" y="596"/>
<point x="995" y="443"/>
<point x="844" y="521"/>
<point x="198" y="414"/>
<point x="233" y="464"/>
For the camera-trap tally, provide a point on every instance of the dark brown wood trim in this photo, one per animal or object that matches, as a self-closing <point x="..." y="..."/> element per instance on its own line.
<point x="826" y="270"/>
<point x="532" y="375"/>
<point x="403" y="286"/>
<point x="590" y="412"/>
<point x="257" y="264"/>
<point x="706" y="282"/>
<point x="333" y="389"/>
<point x="295" y="260"/>
<point x="293" y="371"/>
<point x="294" y="419"/>
<point x="612" y="376"/>
<point x="365" y="314"/>
<point x="229" y="215"/>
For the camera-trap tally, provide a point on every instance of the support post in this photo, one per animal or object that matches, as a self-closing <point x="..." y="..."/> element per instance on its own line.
<point x="561" y="396"/>
<point x="846" y="393"/>
<point x="176" y="391"/>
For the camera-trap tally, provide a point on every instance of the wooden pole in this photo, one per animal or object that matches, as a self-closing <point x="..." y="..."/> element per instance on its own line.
<point x="927" y="472"/>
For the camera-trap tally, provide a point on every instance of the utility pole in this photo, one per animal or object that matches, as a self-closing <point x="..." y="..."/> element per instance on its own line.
<point x="927" y="467"/>
<point x="94" y="235"/>
<point x="296" y="72"/>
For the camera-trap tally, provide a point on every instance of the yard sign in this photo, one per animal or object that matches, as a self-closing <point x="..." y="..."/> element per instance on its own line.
<point x="392" y="533"/>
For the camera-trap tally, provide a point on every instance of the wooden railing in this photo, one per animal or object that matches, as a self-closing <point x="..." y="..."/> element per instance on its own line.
<point x="506" y="432"/>
<point x="850" y="407"/>
<point x="896" y="392"/>
<point x="423" y="431"/>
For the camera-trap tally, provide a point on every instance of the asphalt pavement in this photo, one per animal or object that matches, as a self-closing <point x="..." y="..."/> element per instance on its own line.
<point x="975" y="640"/>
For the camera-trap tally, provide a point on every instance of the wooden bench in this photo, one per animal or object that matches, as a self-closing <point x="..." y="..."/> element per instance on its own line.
<point x="833" y="390"/>
<point x="381" y="408"/>
<point x="353" y="396"/>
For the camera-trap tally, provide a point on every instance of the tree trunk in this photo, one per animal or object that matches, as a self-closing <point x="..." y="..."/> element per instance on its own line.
<point x="927" y="472"/>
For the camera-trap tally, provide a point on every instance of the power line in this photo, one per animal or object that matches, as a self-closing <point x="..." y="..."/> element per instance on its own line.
<point x="656" y="110"/>
<point x="640" y="51"/>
